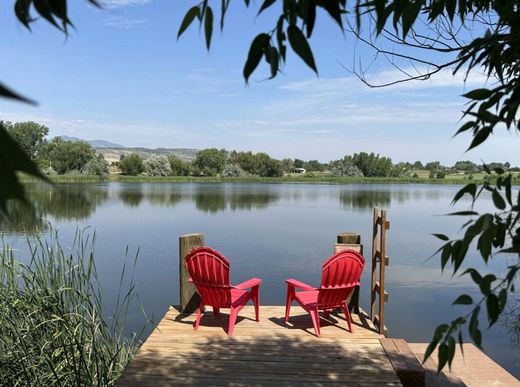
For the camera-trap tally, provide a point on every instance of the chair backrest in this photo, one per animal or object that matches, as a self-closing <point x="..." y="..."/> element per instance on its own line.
<point x="209" y="271"/>
<point x="340" y="275"/>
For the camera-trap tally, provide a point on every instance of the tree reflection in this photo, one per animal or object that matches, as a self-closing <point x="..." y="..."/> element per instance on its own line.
<point x="131" y="196"/>
<point x="364" y="199"/>
<point x="219" y="198"/>
<point x="66" y="202"/>
<point x="163" y="196"/>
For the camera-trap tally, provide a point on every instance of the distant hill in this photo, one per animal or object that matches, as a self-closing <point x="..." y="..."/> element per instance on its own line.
<point x="97" y="144"/>
<point x="114" y="154"/>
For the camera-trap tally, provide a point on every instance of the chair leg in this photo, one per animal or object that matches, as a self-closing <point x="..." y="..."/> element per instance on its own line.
<point x="232" y="319"/>
<point x="347" y="316"/>
<point x="216" y="311"/>
<point x="315" y="320"/>
<point x="288" y="302"/>
<point x="199" y="314"/>
<point x="256" y="301"/>
<point x="326" y="313"/>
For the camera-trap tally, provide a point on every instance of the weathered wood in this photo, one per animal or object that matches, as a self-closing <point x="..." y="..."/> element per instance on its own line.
<point x="189" y="298"/>
<point x="349" y="238"/>
<point x="378" y="290"/>
<point x="405" y="363"/>
<point x="350" y="241"/>
<point x="382" y="251"/>
<point x="374" y="264"/>
<point x="470" y="367"/>
<point x="269" y="352"/>
<point x="348" y="246"/>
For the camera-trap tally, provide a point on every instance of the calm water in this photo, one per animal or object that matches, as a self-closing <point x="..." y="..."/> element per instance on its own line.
<point x="273" y="232"/>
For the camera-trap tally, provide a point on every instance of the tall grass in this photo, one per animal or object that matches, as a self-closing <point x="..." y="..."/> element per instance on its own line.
<point x="52" y="328"/>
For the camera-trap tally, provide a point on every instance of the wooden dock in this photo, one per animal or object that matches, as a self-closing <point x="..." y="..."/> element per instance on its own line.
<point x="265" y="353"/>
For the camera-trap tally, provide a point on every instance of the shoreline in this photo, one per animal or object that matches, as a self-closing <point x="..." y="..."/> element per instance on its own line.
<point x="78" y="179"/>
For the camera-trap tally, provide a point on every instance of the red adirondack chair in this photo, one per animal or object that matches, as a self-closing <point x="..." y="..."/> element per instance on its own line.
<point x="209" y="271"/>
<point x="340" y="275"/>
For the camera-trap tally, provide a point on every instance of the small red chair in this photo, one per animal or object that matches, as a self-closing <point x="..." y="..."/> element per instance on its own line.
<point x="209" y="272"/>
<point x="340" y="275"/>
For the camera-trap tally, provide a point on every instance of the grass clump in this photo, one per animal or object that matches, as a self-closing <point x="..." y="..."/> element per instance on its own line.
<point x="52" y="328"/>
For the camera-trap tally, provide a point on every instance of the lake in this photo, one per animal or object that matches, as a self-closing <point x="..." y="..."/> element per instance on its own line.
<point x="272" y="231"/>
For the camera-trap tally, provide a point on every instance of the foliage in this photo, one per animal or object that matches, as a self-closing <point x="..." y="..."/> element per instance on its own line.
<point x="314" y="166"/>
<point x="372" y="165"/>
<point x="157" y="165"/>
<point x="13" y="160"/>
<point x="233" y="170"/>
<point x="66" y="156"/>
<point x="131" y="165"/>
<point x="97" y="166"/>
<point x="211" y="162"/>
<point x="29" y="135"/>
<point x="179" y="167"/>
<point x="345" y="167"/>
<point x="53" y="330"/>
<point x="497" y="235"/>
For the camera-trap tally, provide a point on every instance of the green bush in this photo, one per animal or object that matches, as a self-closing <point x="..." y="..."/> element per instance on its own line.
<point x="131" y="165"/>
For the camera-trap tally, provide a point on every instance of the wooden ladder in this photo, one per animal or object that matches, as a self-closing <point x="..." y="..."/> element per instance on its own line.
<point x="378" y="294"/>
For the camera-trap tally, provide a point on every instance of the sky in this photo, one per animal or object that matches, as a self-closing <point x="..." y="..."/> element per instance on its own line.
<point x="123" y="76"/>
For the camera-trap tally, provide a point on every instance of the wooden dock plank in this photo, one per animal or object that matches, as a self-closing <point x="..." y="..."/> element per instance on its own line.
<point x="264" y="353"/>
<point x="474" y="369"/>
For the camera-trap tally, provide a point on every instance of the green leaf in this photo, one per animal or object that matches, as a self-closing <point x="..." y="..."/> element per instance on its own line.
<point x="480" y="137"/>
<point x="478" y="94"/>
<point x="463" y="299"/>
<point x="451" y="351"/>
<point x="463" y="213"/>
<point x="467" y="189"/>
<point x="8" y="93"/>
<point x="255" y="54"/>
<point x="442" y="237"/>
<point x="12" y="160"/>
<point x="442" y="357"/>
<point x="467" y="126"/>
<point x="188" y="19"/>
<point x="301" y="47"/>
<point x="208" y="26"/>
<point x="266" y="4"/>
<point x="493" y="309"/>
<point x="498" y="200"/>
<point x="474" y="331"/>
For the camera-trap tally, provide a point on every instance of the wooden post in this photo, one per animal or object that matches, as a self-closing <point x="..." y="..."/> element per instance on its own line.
<point x="382" y="261"/>
<point x="350" y="240"/>
<point x="374" y="266"/>
<point x="189" y="298"/>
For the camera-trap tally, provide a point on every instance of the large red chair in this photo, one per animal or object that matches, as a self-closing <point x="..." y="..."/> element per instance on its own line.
<point x="340" y="275"/>
<point x="209" y="271"/>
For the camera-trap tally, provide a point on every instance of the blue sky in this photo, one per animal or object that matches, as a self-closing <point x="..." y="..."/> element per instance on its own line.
<point x="122" y="76"/>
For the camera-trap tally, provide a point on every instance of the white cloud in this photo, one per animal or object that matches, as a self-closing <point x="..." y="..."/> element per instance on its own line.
<point x="111" y="4"/>
<point x="123" y="22"/>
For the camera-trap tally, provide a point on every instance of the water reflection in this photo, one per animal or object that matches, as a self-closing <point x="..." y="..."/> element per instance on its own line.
<point x="364" y="198"/>
<point x="131" y="196"/>
<point x="219" y="198"/>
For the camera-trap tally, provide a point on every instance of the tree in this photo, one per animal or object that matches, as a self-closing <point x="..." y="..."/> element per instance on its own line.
<point x="66" y="156"/>
<point x="314" y="166"/>
<point x="466" y="166"/>
<point x="298" y="163"/>
<point x="157" y="165"/>
<point x="30" y="135"/>
<point x="287" y="165"/>
<point x="345" y="167"/>
<point x="97" y="166"/>
<point x="418" y="165"/>
<point x="267" y="166"/>
<point x="179" y="167"/>
<point x="372" y="165"/>
<point x="131" y="165"/>
<point x="211" y="162"/>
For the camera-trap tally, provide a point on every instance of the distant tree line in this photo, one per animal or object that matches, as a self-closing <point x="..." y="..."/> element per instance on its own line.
<point x="57" y="156"/>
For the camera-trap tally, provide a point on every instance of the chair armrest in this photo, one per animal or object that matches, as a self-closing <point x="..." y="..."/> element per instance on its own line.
<point x="252" y="282"/>
<point x="298" y="284"/>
